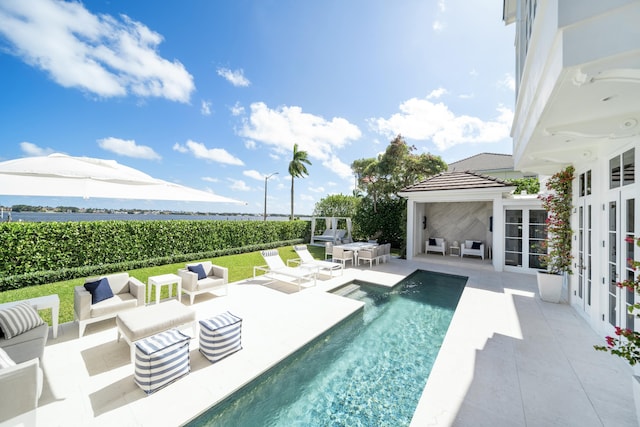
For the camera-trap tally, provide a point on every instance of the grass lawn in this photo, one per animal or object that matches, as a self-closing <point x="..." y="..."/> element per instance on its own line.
<point x="240" y="267"/>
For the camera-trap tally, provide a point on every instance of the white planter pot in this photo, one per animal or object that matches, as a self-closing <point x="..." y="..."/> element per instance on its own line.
<point x="550" y="287"/>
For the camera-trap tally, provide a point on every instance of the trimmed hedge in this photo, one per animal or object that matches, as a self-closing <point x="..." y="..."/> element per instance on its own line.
<point x="37" y="253"/>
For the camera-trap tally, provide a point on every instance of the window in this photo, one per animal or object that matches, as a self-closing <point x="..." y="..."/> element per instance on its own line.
<point x="622" y="169"/>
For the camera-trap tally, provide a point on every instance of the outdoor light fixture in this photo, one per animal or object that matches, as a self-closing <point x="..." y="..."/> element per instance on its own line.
<point x="266" y="178"/>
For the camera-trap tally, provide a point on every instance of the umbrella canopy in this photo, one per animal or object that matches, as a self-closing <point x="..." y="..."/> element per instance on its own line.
<point x="59" y="175"/>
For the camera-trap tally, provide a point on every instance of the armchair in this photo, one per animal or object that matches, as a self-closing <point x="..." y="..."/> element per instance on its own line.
<point x="196" y="281"/>
<point x="437" y="244"/>
<point x="20" y="387"/>
<point x="472" y="247"/>
<point x="128" y="292"/>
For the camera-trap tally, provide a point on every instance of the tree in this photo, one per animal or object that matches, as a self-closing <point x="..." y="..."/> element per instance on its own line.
<point x="297" y="169"/>
<point x="530" y="185"/>
<point x="395" y="169"/>
<point x="337" y="205"/>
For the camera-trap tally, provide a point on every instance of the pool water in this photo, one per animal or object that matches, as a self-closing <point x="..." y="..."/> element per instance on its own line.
<point x="368" y="371"/>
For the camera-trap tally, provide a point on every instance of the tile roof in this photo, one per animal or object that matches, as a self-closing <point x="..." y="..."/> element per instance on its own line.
<point x="483" y="162"/>
<point x="457" y="181"/>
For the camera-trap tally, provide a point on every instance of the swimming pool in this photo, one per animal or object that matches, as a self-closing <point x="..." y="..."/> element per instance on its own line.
<point x="369" y="370"/>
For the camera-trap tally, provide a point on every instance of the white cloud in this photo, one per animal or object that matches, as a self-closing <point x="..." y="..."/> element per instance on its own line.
<point x="235" y="77"/>
<point x="466" y="96"/>
<point x="254" y="174"/>
<point x="237" y="109"/>
<point x="473" y="73"/>
<point x="210" y="179"/>
<point x="250" y="144"/>
<point x="200" y="151"/>
<point x="441" y="5"/>
<point x="31" y="149"/>
<point x="307" y="198"/>
<point x="239" y="185"/>
<point x="128" y="148"/>
<point x="340" y="168"/>
<point x="274" y="156"/>
<point x="205" y="108"/>
<point x="101" y="54"/>
<point x="437" y="93"/>
<point x="438" y="26"/>
<point x="281" y="128"/>
<point x="508" y="82"/>
<point x="317" y="189"/>
<point x="421" y="119"/>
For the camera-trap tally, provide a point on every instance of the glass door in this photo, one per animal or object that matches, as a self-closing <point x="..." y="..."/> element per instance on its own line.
<point x="585" y="242"/>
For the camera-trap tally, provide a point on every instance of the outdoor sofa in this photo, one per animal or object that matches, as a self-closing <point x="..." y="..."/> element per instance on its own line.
<point x="24" y="335"/>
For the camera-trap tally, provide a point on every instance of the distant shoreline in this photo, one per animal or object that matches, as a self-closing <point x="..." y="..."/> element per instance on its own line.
<point x="48" y="216"/>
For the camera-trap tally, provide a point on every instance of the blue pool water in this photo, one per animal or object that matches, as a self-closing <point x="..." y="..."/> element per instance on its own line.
<point x="368" y="371"/>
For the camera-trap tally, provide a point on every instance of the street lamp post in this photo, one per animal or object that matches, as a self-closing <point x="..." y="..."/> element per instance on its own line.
<point x="266" y="178"/>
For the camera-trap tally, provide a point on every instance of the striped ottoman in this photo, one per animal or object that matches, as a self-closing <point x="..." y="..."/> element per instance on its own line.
<point x="220" y="336"/>
<point x="161" y="359"/>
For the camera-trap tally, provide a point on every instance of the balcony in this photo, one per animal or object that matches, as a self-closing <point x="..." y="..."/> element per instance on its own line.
<point x="578" y="68"/>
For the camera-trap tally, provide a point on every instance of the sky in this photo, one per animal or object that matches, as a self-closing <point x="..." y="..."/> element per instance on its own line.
<point x="214" y="94"/>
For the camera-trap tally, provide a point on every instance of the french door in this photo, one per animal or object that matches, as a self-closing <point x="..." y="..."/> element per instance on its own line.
<point x="622" y="222"/>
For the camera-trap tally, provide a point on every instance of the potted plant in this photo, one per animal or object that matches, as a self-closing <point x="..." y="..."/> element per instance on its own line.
<point x="557" y="202"/>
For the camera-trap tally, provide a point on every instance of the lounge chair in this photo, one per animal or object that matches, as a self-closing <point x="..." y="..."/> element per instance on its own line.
<point x="126" y="292"/>
<point x="472" y="247"/>
<point x="276" y="270"/>
<point x="436" y="244"/>
<point x="307" y="260"/>
<point x="196" y="280"/>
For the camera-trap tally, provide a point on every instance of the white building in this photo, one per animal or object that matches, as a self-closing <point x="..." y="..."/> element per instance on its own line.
<point x="577" y="66"/>
<point x="578" y="102"/>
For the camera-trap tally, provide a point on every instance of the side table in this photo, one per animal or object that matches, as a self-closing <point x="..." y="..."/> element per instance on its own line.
<point x="164" y="279"/>
<point x="455" y="249"/>
<point x="42" y="303"/>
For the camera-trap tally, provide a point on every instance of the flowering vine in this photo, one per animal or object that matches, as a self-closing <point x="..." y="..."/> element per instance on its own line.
<point x="626" y="342"/>
<point x="558" y="204"/>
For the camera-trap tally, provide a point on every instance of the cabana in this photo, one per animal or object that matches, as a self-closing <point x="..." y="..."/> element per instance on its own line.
<point x="331" y="233"/>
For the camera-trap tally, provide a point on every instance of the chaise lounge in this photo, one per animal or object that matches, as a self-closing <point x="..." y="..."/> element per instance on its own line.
<point x="276" y="270"/>
<point x="307" y="260"/>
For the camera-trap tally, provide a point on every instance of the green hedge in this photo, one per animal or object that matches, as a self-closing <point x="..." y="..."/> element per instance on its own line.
<point x="37" y="253"/>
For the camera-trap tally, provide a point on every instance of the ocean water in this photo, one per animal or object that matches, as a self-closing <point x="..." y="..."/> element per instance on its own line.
<point x="67" y="217"/>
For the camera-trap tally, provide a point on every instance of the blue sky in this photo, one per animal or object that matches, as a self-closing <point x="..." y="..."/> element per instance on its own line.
<point x="213" y="94"/>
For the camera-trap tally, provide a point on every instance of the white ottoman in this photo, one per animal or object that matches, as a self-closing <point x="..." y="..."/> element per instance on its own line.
<point x="220" y="336"/>
<point x="161" y="359"/>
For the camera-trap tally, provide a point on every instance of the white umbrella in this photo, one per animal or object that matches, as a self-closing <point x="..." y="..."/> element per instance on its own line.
<point x="59" y="175"/>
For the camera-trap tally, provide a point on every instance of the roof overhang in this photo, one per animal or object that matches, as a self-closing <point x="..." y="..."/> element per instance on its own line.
<point x="462" y="195"/>
<point x="509" y="11"/>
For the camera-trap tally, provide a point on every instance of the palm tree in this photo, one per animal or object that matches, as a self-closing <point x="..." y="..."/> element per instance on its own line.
<point x="297" y="169"/>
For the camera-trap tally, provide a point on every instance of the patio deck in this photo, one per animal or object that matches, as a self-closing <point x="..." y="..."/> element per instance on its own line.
<point x="508" y="358"/>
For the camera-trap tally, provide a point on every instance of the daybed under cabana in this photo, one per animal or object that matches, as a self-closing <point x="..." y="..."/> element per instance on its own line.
<point x="331" y="233"/>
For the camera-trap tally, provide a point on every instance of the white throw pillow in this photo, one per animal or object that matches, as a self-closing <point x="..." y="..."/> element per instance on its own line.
<point x="18" y="319"/>
<point x="5" y="360"/>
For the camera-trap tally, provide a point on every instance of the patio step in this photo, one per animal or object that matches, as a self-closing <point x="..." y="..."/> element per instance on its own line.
<point x="349" y="291"/>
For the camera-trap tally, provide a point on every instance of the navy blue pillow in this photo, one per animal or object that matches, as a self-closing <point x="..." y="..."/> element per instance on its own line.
<point x="432" y="242"/>
<point x="476" y="245"/>
<point x="99" y="290"/>
<point x="199" y="270"/>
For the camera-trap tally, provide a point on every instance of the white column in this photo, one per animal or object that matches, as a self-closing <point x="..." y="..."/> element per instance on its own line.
<point x="411" y="207"/>
<point x="498" y="234"/>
